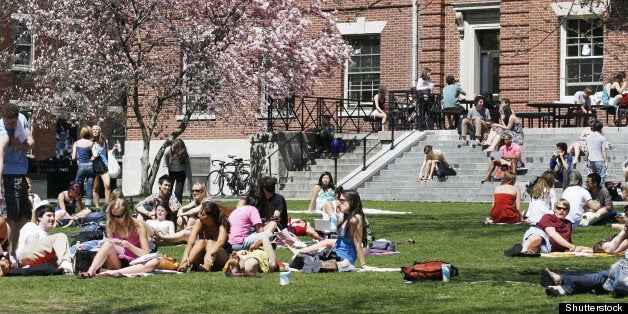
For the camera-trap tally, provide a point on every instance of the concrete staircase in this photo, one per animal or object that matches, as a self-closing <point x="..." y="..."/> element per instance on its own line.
<point x="397" y="181"/>
<point x="298" y="184"/>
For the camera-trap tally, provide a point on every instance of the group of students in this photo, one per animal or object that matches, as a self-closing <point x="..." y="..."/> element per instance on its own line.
<point x="234" y="240"/>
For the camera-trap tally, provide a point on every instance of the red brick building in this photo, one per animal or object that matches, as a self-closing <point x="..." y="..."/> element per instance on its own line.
<point x="525" y="50"/>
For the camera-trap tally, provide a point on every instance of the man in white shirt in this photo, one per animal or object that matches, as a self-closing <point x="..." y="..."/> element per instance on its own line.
<point x="36" y="246"/>
<point x="579" y="199"/>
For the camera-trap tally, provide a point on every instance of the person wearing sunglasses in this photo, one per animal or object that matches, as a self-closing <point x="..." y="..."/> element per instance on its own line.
<point x="551" y="234"/>
<point x="352" y="232"/>
<point x="186" y="215"/>
<point x="127" y="239"/>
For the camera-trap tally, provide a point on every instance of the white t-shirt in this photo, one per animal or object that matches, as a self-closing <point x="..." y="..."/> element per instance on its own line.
<point x="163" y="226"/>
<point x="577" y="197"/>
<point x="30" y="229"/>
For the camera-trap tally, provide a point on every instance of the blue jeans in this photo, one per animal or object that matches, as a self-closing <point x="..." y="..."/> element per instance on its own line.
<point x="83" y="172"/>
<point x="585" y="282"/>
<point x="599" y="168"/>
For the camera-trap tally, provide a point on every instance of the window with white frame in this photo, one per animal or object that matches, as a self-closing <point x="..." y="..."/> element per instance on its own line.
<point x="23" y="46"/>
<point x="363" y="72"/>
<point x="195" y="103"/>
<point x="583" y="52"/>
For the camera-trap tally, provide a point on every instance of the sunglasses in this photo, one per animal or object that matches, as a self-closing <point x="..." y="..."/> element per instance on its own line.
<point x="117" y="216"/>
<point x="198" y="191"/>
<point x="342" y="200"/>
<point x="561" y="208"/>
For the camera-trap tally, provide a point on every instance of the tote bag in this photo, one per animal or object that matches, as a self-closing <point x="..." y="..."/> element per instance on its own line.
<point x="114" y="166"/>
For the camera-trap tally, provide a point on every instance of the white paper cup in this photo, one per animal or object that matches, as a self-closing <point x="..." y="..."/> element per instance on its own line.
<point x="446" y="269"/>
<point x="284" y="278"/>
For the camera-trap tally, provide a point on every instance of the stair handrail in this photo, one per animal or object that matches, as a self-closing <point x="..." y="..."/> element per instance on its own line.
<point x="300" y="134"/>
<point x="364" y="152"/>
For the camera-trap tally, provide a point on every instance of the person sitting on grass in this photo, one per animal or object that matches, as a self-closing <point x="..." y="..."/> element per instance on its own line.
<point x="600" y="195"/>
<point x="432" y="156"/>
<point x="126" y="240"/>
<point x="146" y="208"/>
<point x="551" y="234"/>
<point x="322" y="192"/>
<point x="207" y="248"/>
<point x="186" y="214"/>
<point x="542" y="198"/>
<point x="351" y="232"/>
<point x="36" y="246"/>
<point x="246" y="218"/>
<point x="616" y="243"/>
<point x="160" y="225"/>
<point x="69" y="202"/>
<point x="254" y="261"/>
<point x="506" y="202"/>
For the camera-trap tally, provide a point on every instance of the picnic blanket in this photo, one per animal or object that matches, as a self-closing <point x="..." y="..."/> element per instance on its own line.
<point x="586" y="252"/>
<point x="368" y="252"/>
<point x="370" y="211"/>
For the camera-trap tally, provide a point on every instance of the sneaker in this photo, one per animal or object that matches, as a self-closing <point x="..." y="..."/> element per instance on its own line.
<point x="477" y="142"/>
<point x="463" y="143"/>
<point x="514" y="250"/>
<point x="555" y="291"/>
<point x="67" y="267"/>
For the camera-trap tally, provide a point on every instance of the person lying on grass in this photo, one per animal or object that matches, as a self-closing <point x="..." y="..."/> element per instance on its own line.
<point x="351" y="232"/>
<point x="126" y="240"/>
<point x="551" y="234"/>
<point x="613" y="281"/>
<point x="617" y="243"/>
<point x="207" y="247"/>
<point x="253" y="261"/>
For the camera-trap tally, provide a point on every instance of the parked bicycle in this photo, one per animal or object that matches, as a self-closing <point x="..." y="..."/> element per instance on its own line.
<point x="232" y="175"/>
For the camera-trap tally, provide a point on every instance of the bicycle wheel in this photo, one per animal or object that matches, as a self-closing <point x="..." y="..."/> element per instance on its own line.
<point x="230" y="182"/>
<point x="243" y="185"/>
<point x="215" y="183"/>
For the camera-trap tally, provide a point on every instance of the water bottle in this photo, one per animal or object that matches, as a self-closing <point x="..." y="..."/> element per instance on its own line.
<point x="334" y="222"/>
<point x="119" y="146"/>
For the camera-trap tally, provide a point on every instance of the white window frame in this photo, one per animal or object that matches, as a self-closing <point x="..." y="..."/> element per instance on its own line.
<point x="359" y="27"/>
<point x="581" y="9"/>
<point x="563" y="61"/>
<point x="16" y="18"/>
<point x="197" y="115"/>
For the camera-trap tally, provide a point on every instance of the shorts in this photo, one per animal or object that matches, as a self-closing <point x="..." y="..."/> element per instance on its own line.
<point x="250" y="240"/>
<point x="546" y="246"/>
<point x="16" y="205"/>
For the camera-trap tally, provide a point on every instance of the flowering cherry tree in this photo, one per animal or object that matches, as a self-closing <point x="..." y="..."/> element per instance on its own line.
<point x="191" y="55"/>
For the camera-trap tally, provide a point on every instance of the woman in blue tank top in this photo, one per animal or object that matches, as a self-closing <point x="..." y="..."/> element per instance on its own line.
<point x="351" y="232"/>
<point x="83" y="151"/>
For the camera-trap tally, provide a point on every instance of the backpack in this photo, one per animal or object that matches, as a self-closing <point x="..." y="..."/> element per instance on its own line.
<point x="444" y="169"/>
<point x="427" y="270"/>
<point x="337" y="146"/>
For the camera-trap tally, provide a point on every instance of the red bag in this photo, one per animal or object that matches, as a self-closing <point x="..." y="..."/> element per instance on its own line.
<point x="624" y="101"/>
<point x="297" y="226"/>
<point x="428" y="270"/>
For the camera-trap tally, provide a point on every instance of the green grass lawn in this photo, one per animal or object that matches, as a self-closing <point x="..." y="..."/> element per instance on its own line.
<point x="453" y="232"/>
